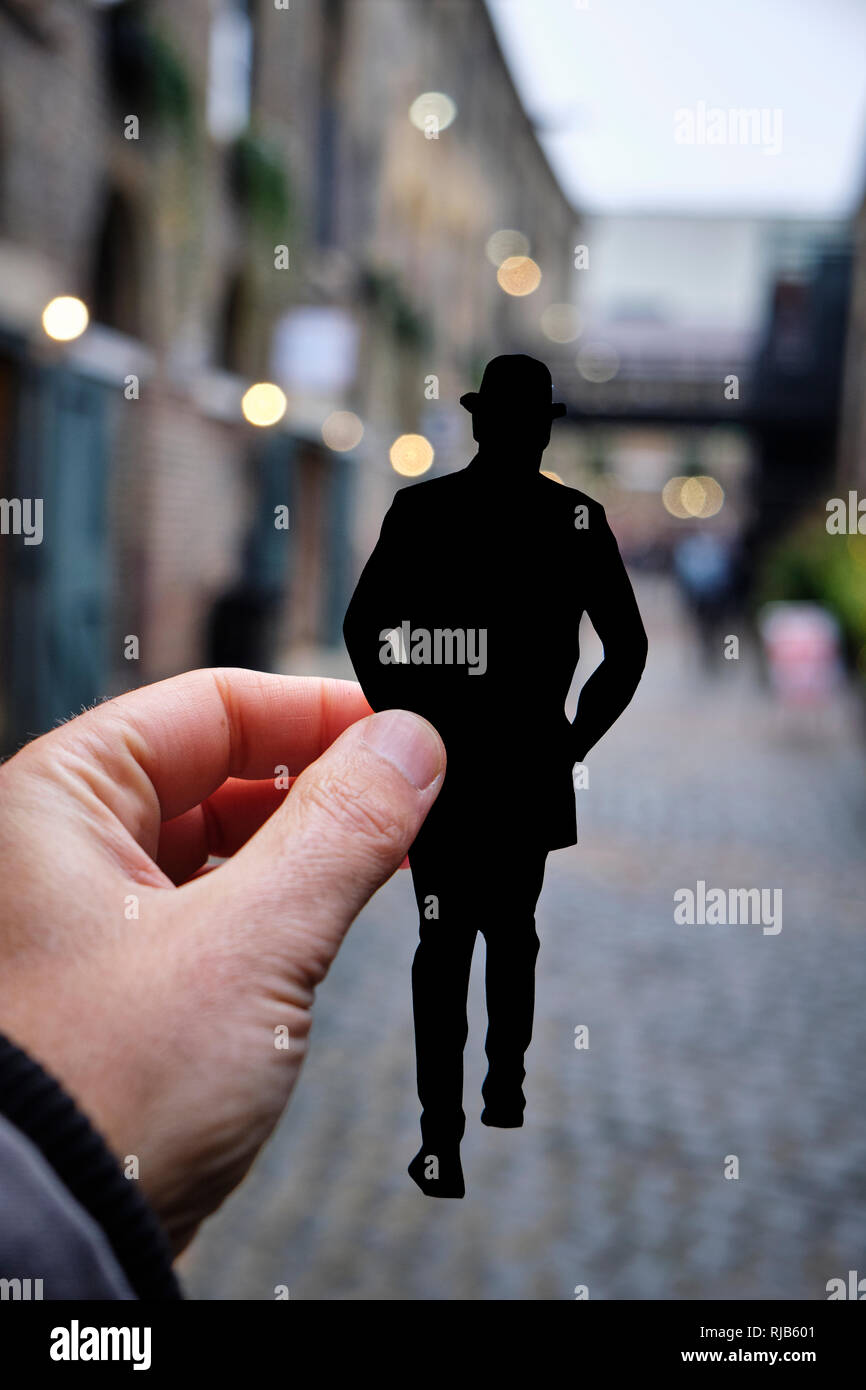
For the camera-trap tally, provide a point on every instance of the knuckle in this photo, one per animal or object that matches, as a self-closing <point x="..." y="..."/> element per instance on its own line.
<point x="356" y="808"/>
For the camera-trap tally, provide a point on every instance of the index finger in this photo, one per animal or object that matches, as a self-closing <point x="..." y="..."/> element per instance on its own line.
<point x="189" y="733"/>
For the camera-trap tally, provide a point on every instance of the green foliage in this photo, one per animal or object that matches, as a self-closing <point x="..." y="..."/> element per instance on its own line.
<point x="409" y="325"/>
<point x="146" y="70"/>
<point x="261" y="184"/>
<point x="809" y="564"/>
<point x="170" y="87"/>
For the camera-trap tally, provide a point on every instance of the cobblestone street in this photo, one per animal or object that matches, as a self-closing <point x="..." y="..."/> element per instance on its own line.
<point x="704" y="1042"/>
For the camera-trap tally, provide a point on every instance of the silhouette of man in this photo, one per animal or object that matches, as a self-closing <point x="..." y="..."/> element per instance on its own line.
<point x="467" y="612"/>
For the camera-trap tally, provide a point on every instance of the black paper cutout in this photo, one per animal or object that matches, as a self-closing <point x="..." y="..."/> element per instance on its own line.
<point x="467" y="612"/>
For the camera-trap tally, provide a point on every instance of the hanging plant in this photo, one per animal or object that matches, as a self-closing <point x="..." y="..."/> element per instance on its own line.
<point x="171" y="91"/>
<point x="409" y="325"/>
<point x="261" y="185"/>
<point x="147" y="72"/>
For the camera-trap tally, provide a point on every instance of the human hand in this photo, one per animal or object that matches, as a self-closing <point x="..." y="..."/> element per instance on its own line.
<point x="157" y="1006"/>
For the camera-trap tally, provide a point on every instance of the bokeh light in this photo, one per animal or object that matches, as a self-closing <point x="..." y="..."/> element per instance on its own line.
<point x="264" y="404"/>
<point x="671" y="497"/>
<point x="598" y="362"/>
<point x="519" y="275"/>
<point x="65" y="318"/>
<point x="411" y="455"/>
<point x="435" y="104"/>
<point x="505" y="243"/>
<point x="692" y="498"/>
<point x="342" y="430"/>
<point x="560" y="323"/>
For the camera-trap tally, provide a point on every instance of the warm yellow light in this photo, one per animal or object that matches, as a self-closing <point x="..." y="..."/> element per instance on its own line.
<point x="65" y="318"/>
<point x="671" y="497"/>
<point x="411" y="455"/>
<point x="519" y="275"/>
<point x="598" y="362"/>
<point x="505" y="243"/>
<point x="695" y="498"/>
<point x="432" y="112"/>
<point x="264" y="404"/>
<point x="713" y="497"/>
<point x="560" y="323"/>
<point x="548" y="473"/>
<point x="342" y="430"/>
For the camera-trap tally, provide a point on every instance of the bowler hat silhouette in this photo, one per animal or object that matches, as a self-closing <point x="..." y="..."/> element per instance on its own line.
<point x="511" y="376"/>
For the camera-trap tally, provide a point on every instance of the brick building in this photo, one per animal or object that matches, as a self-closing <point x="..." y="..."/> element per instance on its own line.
<point x="236" y="191"/>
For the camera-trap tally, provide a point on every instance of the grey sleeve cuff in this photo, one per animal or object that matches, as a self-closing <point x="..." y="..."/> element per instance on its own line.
<point x="50" y="1247"/>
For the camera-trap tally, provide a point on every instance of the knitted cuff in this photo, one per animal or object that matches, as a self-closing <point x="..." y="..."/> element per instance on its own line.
<point x="37" y="1105"/>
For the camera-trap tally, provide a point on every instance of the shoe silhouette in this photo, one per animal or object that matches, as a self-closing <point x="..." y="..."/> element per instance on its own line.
<point x="468" y="612"/>
<point x="438" y="1174"/>
<point x="503" y="1105"/>
<point x="502" y="1117"/>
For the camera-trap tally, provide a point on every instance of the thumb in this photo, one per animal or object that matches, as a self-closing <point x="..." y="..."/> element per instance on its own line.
<point x="346" y="825"/>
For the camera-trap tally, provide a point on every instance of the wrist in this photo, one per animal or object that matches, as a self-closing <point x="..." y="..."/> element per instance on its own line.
<point x="35" y="1103"/>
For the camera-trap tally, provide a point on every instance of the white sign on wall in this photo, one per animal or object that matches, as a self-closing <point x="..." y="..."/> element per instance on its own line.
<point x="314" y="352"/>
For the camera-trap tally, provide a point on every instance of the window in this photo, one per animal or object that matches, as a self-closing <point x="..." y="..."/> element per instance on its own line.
<point x="116" y="275"/>
<point x="230" y="72"/>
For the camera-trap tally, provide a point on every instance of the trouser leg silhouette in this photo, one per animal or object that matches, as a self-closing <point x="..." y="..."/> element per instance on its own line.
<point x="512" y="948"/>
<point x="461" y="903"/>
<point x="440" y="985"/>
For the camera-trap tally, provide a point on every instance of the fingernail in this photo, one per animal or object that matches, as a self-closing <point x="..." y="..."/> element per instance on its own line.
<point x="408" y="742"/>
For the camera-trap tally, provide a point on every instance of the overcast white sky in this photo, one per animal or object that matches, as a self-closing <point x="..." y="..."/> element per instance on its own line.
<point x="606" y="80"/>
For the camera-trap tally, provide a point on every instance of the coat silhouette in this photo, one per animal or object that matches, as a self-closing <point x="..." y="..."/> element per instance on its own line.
<point x="468" y="612"/>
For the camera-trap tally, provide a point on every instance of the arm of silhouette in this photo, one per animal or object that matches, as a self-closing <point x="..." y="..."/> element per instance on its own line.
<point x="614" y="614"/>
<point x="375" y="608"/>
